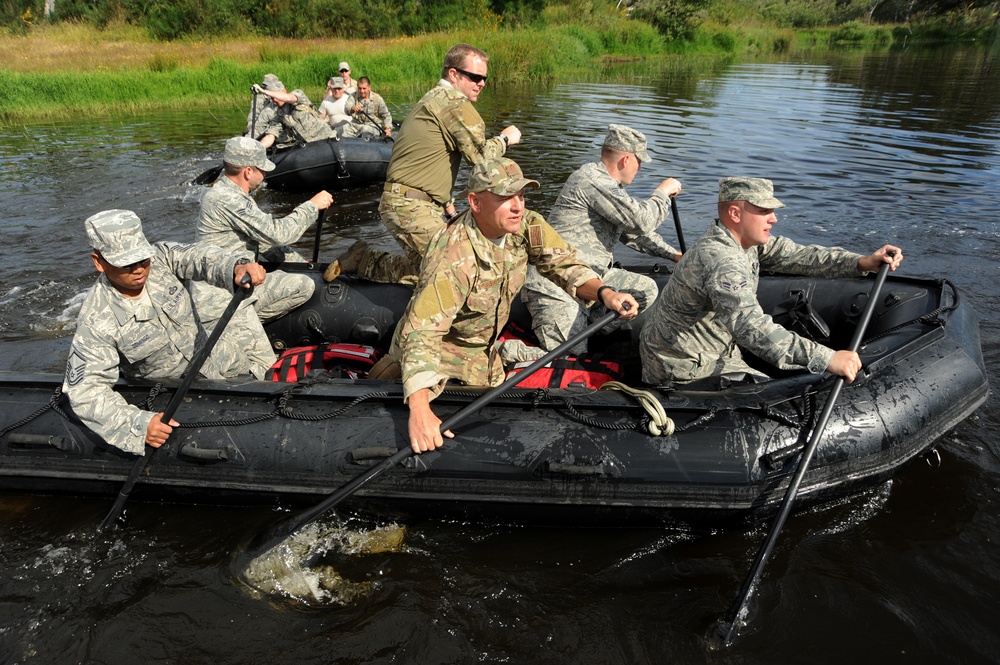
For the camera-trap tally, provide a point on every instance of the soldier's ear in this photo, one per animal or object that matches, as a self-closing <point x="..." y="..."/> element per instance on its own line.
<point x="96" y="258"/>
<point x="475" y="203"/>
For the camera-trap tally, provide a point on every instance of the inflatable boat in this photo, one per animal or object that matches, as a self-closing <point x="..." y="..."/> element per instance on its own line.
<point x="540" y="455"/>
<point x="331" y="164"/>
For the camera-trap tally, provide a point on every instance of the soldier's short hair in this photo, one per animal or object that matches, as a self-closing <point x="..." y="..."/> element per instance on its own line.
<point x="456" y="56"/>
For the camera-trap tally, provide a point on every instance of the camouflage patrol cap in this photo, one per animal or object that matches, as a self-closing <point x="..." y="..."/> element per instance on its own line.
<point x="336" y="82"/>
<point x="499" y="175"/>
<point x="758" y="191"/>
<point x="117" y="236"/>
<point x="245" y="151"/>
<point x="272" y="82"/>
<point x="627" y="139"/>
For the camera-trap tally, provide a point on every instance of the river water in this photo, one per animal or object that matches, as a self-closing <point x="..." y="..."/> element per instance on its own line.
<point x="863" y="148"/>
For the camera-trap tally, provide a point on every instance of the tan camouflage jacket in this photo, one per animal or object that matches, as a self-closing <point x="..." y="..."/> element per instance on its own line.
<point x="156" y="341"/>
<point x="710" y="306"/>
<point x="303" y="123"/>
<point x="443" y="127"/>
<point x="463" y="298"/>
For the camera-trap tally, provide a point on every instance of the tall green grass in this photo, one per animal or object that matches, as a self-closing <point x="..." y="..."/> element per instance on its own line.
<point x="399" y="67"/>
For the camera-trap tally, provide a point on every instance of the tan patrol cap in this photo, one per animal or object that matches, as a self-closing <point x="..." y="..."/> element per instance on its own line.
<point x="499" y="175"/>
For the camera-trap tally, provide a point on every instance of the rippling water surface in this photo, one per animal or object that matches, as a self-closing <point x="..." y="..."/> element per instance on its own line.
<point x="863" y="148"/>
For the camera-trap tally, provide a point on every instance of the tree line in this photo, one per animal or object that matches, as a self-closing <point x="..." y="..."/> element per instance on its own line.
<point x="366" y="19"/>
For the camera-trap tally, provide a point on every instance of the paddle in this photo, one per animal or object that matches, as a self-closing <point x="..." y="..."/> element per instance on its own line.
<point x="677" y="224"/>
<point x="319" y="234"/>
<point x="189" y="376"/>
<point x="281" y="531"/>
<point x="727" y="627"/>
<point x="209" y="176"/>
<point x="372" y="120"/>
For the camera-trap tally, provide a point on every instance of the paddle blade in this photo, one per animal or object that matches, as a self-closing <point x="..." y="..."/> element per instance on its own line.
<point x="209" y="176"/>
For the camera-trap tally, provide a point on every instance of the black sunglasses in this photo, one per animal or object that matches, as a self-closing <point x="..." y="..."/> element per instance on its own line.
<point x="345" y="70"/>
<point x="475" y="78"/>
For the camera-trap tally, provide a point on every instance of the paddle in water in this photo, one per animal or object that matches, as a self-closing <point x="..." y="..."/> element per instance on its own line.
<point x="727" y="627"/>
<point x="189" y="376"/>
<point x="277" y="534"/>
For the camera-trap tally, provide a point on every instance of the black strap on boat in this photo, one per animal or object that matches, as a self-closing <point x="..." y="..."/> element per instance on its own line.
<point x="928" y="319"/>
<point x="24" y="421"/>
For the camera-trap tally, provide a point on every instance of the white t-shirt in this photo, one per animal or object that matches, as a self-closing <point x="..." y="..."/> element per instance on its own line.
<point x="335" y="111"/>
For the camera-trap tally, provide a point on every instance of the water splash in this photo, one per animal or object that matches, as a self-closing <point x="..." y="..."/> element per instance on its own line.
<point x="287" y="570"/>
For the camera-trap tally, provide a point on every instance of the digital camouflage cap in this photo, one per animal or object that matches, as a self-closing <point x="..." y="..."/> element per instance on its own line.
<point x="244" y="151"/>
<point x="499" y="175"/>
<point x="627" y="139"/>
<point x="336" y="82"/>
<point x="758" y="191"/>
<point x="272" y="82"/>
<point x="117" y="236"/>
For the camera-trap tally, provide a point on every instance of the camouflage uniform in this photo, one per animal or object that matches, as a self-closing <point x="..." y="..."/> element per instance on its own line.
<point x="231" y="219"/>
<point x="443" y="127"/>
<point x="462" y="302"/>
<point x="467" y="283"/>
<point x="710" y="306"/>
<point x="593" y="213"/>
<point x="361" y="124"/>
<point x="154" y="336"/>
<point x="302" y="121"/>
<point x="265" y="120"/>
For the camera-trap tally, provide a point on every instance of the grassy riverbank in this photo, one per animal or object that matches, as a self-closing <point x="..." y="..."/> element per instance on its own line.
<point x="123" y="71"/>
<point x="70" y="69"/>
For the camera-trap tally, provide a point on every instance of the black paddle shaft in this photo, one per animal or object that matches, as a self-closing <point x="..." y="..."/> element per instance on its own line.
<point x="189" y="376"/>
<point x="728" y="627"/>
<point x="281" y="531"/>
<point x="319" y="234"/>
<point x="677" y="224"/>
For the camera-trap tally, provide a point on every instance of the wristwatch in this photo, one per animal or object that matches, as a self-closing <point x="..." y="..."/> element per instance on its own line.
<point x="506" y="140"/>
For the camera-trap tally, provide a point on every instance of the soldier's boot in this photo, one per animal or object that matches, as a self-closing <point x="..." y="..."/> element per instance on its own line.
<point x="346" y="263"/>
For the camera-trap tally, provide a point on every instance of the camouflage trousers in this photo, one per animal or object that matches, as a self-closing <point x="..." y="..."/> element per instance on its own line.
<point x="555" y="316"/>
<point x="243" y="347"/>
<point x="413" y="223"/>
<point x="282" y="292"/>
<point x="367" y="130"/>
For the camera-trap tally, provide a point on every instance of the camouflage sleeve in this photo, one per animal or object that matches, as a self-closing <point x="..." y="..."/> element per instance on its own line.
<point x="734" y="303"/>
<point x="466" y="128"/>
<point x="91" y="373"/>
<point x="553" y="257"/>
<point x="780" y="254"/>
<point x="651" y="243"/>
<point x="630" y="215"/>
<point x="243" y="216"/>
<point x="383" y="114"/>
<point x="443" y="288"/>
<point x="200" y="261"/>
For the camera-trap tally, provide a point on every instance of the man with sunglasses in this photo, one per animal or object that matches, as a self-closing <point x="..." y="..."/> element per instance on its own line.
<point x="709" y="308"/>
<point x="441" y="129"/>
<point x="594" y="213"/>
<point x="230" y="219"/>
<point x="138" y="319"/>
<point x="350" y="87"/>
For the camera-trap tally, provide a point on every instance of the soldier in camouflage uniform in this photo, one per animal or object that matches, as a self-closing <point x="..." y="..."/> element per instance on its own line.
<point x="473" y="270"/>
<point x="442" y="128"/>
<point x="138" y="318"/>
<point x="230" y="219"/>
<point x="296" y="115"/>
<point x="594" y="213"/>
<point x="367" y="107"/>
<point x="263" y="115"/>
<point x="709" y="308"/>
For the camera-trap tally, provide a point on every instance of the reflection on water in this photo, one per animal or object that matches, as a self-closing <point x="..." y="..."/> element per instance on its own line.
<point x="863" y="148"/>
